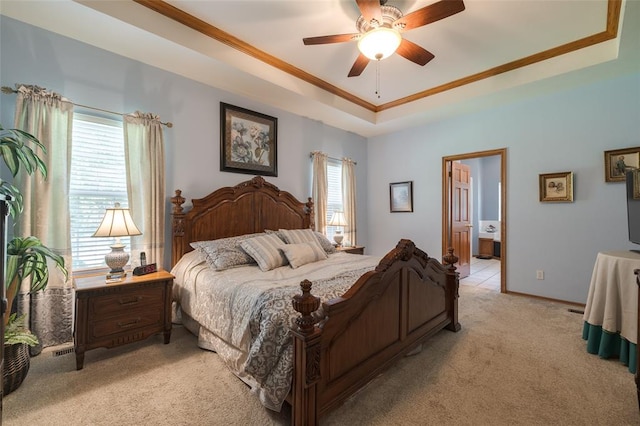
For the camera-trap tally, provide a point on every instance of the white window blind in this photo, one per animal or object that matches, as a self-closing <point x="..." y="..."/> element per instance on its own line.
<point x="334" y="198"/>
<point x="98" y="180"/>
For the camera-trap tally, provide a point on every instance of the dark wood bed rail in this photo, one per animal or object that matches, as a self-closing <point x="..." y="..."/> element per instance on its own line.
<point x="383" y="316"/>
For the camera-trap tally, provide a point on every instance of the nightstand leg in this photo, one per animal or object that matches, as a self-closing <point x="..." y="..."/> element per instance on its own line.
<point x="79" y="360"/>
<point x="167" y="337"/>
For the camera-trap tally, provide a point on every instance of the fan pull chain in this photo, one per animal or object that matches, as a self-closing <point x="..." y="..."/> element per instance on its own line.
<point x="378" y="78"/>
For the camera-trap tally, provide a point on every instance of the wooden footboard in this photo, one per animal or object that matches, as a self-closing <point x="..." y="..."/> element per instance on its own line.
<point x="385" y="314"/>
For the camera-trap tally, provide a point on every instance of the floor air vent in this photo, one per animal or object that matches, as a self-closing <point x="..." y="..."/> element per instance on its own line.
<point x="63" y="351"/>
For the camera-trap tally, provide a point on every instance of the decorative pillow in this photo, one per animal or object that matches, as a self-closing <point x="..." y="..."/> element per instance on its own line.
<point x="225" y="253"/>
<point x="327" y="245"/>
<point x="276" y="233"/>
<point x="303" y="253"/>
<point x="297" y="236"/>
<point x="265" y="251"/>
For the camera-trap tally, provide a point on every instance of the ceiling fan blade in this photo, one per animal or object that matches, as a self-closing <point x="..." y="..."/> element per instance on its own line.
<point x="336" y="38"/>
<point x="414" y="53"/>
<point x="428" y="14"/>
<point x="359" y="65"/>
<point x="370" y="9"/>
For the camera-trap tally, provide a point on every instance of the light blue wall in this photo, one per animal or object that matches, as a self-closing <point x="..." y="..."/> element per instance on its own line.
<point x="565" y="127"/>
<point x="563" y="131"/>
<point x="489" y="180"/>
<point x="90" y="76"/>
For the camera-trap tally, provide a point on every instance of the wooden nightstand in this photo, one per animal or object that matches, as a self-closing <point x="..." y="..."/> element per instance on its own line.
<point x="114" y="314"/>
<point x="352" y="249"/>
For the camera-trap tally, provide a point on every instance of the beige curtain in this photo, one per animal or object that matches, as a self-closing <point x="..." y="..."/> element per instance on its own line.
<point x="49" y="117"/>
<point x="144" y="153"/>
<point x="320" y="191"/>
<point x="349" y="200"/>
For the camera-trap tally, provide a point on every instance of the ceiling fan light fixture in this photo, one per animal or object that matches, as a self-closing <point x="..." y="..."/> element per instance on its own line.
<point x="379" y="43"/>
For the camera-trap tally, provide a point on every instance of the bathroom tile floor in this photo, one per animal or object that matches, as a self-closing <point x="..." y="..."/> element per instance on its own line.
<point x="485" y="273"/>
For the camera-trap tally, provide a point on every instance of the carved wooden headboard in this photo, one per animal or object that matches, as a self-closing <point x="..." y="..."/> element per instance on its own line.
<point x="249" y="207"/>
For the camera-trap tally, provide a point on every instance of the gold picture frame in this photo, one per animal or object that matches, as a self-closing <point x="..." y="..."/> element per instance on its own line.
<point x="618" y="161"/>
<point x="636" y="184"/>
<point x="556" y="187"/>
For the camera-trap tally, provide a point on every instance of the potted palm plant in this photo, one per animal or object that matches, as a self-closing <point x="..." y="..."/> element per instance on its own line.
<point x="26" y="256"/>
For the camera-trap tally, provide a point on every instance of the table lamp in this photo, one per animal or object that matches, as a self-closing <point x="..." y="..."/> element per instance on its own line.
<point x="117" y="222"/>
<point x="338" y="220"/>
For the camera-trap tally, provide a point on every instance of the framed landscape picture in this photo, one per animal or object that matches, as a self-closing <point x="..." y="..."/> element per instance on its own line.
<point x="401" y="196"/>
<point x="248" y="141"/>
<point x="618" y="161"/>
<point x="556" y="187"/>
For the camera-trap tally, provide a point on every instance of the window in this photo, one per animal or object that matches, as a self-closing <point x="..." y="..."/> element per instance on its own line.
<point x="98" y="180"/>
<point x="334" y="197"/>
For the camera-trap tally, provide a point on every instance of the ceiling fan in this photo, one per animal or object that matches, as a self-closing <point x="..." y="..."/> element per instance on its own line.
<point x="380" y="29"/>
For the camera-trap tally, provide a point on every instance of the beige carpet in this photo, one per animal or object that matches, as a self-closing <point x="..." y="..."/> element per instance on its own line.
<point x="516" y="361"/>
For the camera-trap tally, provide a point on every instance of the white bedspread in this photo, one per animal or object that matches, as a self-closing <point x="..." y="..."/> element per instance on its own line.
<point x="244" y="314"/>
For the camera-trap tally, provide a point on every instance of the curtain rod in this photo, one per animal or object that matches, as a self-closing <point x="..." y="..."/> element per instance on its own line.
<point x="8" y="90"/>
<point x="333" y="158"/>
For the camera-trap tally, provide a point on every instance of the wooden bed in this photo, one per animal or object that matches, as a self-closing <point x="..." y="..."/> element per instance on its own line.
<point x="387" y="313"/>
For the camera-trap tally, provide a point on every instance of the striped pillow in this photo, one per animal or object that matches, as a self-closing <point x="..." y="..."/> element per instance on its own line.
<point x="298" y="236"/>
<point x="265" y="251"/>
<point x="303" y="253"/>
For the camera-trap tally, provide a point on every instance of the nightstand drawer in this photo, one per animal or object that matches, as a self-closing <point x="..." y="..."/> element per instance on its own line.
<point x="126" y="300"/>
<point x="152" y="317"/>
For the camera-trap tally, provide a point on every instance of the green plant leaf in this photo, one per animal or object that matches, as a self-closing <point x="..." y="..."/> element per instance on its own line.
<point x="17" y="331"/>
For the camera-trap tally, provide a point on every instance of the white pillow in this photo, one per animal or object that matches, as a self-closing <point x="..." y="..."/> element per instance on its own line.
<point x="265" y="251"/>
<point x="303" y="253"/>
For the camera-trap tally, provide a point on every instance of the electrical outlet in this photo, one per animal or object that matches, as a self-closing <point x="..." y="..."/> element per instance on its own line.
<point x="540" y="274"/>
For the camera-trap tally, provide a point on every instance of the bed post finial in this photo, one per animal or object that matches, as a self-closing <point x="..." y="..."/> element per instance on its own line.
<point x="312" y="221"/>
<point x="450" y="259"/>
<point x="177" y="228"/>
<point x="305" y="304"/>
<point x="177" y="201"/>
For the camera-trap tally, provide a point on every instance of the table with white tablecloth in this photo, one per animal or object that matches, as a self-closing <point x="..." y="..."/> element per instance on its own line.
<point x="611" y="313"/>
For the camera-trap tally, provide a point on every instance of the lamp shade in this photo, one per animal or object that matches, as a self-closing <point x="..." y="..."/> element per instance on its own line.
<point x="338" y="219"/>
<point x="379" y="43"/>
<point x="117" y="222"/>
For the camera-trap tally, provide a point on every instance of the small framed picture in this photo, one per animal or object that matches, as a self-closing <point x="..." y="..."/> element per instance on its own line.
<point x="618" y="161"/>
<point x="556" y="187"/>
<point x="401" y="196"/>
<point x="635" y="179"/>
<point x="248" y="141"/>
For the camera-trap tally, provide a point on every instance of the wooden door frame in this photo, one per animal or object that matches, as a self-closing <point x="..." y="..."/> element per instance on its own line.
<point x="446" y="204"/>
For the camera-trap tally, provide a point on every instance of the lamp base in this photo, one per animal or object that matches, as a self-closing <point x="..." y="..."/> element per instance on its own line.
<point x="116" y="259"/>
<point x="338" y="239"/>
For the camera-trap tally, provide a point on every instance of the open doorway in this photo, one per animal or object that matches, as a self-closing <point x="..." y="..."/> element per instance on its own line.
<point x="458" y="206"/>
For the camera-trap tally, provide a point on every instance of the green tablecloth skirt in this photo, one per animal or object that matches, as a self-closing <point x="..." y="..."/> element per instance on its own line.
<point x="609" y="345"/>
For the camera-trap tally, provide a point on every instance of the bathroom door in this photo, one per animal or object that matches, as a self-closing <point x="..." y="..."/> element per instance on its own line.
<point x="461" y="226"/>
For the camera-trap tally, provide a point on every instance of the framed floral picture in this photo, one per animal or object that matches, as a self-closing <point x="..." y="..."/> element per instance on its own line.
<point x="556" y="187"/>
<point x="401" y="196"/>
<point x="248" y="141"/>
<point x="618" y="161"/>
